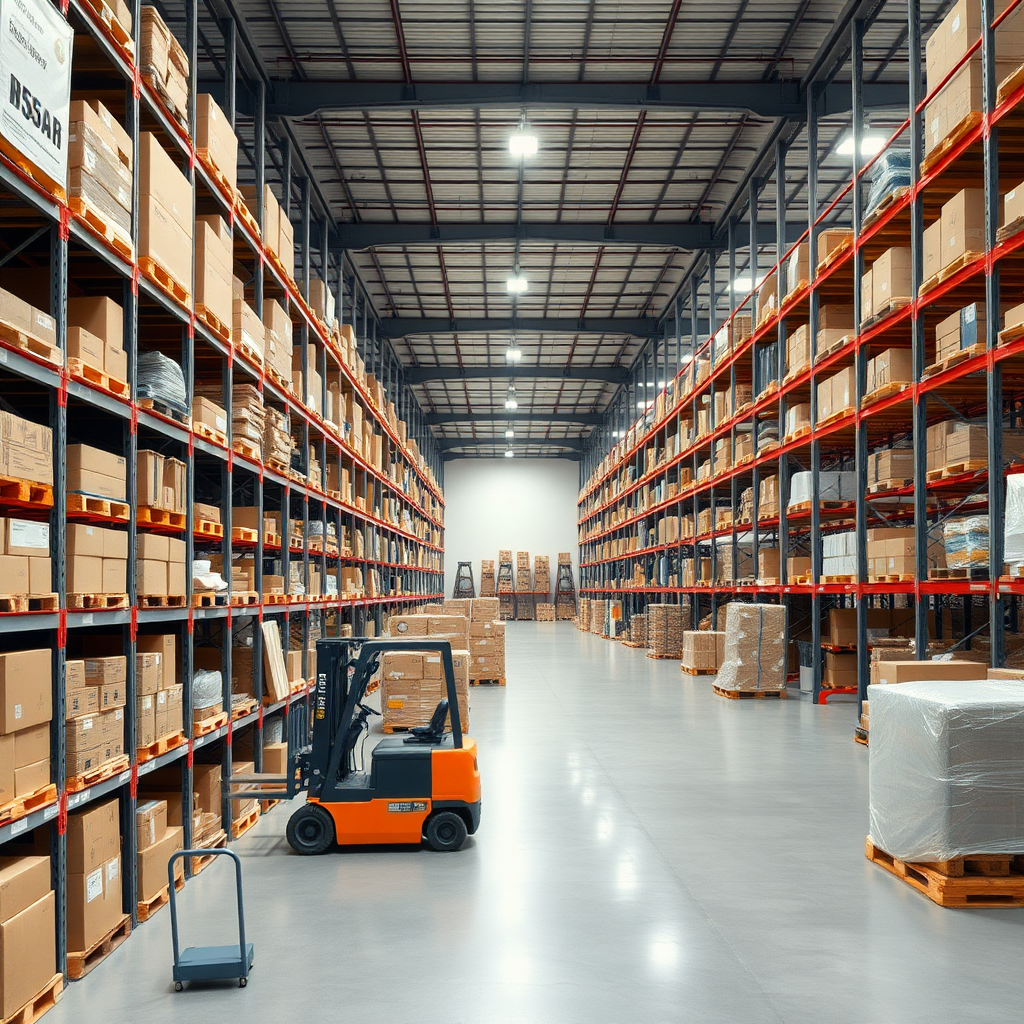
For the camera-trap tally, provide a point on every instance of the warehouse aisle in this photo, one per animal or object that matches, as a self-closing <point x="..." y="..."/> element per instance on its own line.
<point x="648" y="852"/>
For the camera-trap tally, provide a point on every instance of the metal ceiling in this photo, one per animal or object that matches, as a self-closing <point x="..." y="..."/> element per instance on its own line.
<point x="406" y="158"/>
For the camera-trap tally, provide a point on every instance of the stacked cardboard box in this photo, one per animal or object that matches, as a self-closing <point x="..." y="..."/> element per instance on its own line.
<point x="277" y="441"/>
<point x="755" y="647"/>
<point x="207" y="413"/>
<point x="165" y="213"/>
<point x="27" y="932"/>
<point x="837" y="394"/>
<point x="891" y="367"/>
<point x="97" y="560"/>
<point x="247" y="331"/>
<point x="277" y="343"/>
<point x="94" y="880"/>
<point x="545" y="612"/>
<point x="164" y="63"/>
<point x="638" y="629"/>
<point x="96" y="334"/>
<point x="487" y="577"/>
<point x="892" y="465"/>
<point x="26" y="708"/>
<point x="214" y="262"/>
<point x="887" y="283"/>
<point x="157" y="841"/>
<point x="158" y="706"/>
<point x="248" y="416"/>
<point x="966" y="542"/>
<point x="959" y="446"/>
<point x="160" y="482"/>
<point x="961" y="330"/>
<point x="523" y="581"/>
<point x="160" y="565"/>
<point x="665" y="627"/>
<point x="25" y="318"/>
<point x="412" y="684"/>
<point x="216" y="142"/>
<point x="25" y="564"/>
<point x="702" y="650"/>
<point x="207" y="809"/>
<point x="486" y="641"/>
<point x="26" y="448"/>
<point x="95" y="472"/>
<point x="892" y="551"/>
<point x="94" y="739"/>
<point x="100" y="170"/>
<point x="243" y="808"/>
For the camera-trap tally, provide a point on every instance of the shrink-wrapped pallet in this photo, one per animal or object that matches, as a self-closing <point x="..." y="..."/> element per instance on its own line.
<point x="755" y="648"/>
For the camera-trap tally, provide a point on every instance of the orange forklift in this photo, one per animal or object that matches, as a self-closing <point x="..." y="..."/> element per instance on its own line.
<point x="423" y="785"/>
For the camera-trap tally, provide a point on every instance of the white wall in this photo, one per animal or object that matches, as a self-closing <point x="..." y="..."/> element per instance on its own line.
<point x="522" y="504"/>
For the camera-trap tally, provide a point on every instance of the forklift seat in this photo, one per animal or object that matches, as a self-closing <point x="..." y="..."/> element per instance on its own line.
<point x="434" y="732"/>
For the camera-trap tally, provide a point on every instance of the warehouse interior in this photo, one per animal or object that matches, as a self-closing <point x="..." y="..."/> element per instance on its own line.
<point x="584" y="439"/>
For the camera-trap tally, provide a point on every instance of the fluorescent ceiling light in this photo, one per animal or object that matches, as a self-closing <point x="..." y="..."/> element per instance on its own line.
<point x="869" y="145"/>
<point x="510" y="432"/>
<point x="642" y="405"/>
<point x="661" y="383"/>
<point x="517" y="283"/>
<point x="511" y="403"/>
<point x="522" y="143"/>
<point x="513" y="353"/>
<point x="509" y="453"/>
<point x="745" y="283"/>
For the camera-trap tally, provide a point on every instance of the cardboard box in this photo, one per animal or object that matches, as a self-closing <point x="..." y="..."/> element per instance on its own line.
<point x="768" y="563"/>
<point x="152" y="862"/>
<point x="145" y="720"/>
<point x="893" y="366"/>
<point x="14" y="573"/>
<point x="150" y="822"/>
<point x="31" y="778"/>
<point x="93" y="836"/>
<point x="106" y="671"/>
<point x="932" y="250"/>
<point x="26" y="689"/>
<point x="99" y="321"/>
<point x="908" y="671"/>
<point x="275" y="758"/>
<point x="95" y="471"/>
<point x="215" y="134"/>
<point x="165" y="645"/>
<point x="963" y="225"/>
<point x="402" y="665"/>
<point x="27" y="318"/>
<point x="151" y="577"/>
<point x="163" y="240"/>
<point x="409" y="625"/>
<point x="26" y="449"/>
<point x="214" y="261"/>
<point x="94" y="904"/>
<point x="961" y="330"/>
<point x="27" y="951"/>
<point x="891" y="279"/>
<point x="32" y="745"/>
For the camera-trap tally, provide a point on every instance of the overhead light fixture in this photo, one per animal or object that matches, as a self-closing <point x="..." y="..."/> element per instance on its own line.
<point x="745" y="283"/>
<point x="510" y="432"/>
<point x="644" y="405"/>
<point x="510" y="398"/>
<point x="522" y="143"/>
<point x="509" y="453"/>
<point x="517" y="283"/>
<point x="661" y="383"/>
<point x="869" y="145"/>
<point x="513" y="353"/>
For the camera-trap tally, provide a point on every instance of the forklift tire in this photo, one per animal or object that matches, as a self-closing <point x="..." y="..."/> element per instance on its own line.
<point x="446" y="831"/>
<point x="310" y="830"/>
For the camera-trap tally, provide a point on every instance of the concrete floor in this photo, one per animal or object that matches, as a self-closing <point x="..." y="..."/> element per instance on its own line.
<point x="649" y="852"/>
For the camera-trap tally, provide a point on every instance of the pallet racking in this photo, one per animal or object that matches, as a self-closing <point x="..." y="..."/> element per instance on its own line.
<point x="392" y="518"/>
<point x="637" y="472"/>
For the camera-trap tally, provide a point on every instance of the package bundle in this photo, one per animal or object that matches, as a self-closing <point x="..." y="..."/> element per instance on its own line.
<point x="248" y="416"/>
<point x="755" y="648"/>
<point x="277" y="441"/>
<point x="702" y="651"/>
<point x="967" y="542"/>
<point x="598" y="615"/>
<point x="161" y="380"/>
<point x="638" y="630"/>
<point x="412" y="684"/>
<point x="542" y="574"/>
<point x="665" y="627"/>
<point x="583" y="614"/>
<point x="545" y="612"/>
<point x="487" y="577"/>
<point x="889" y="172"/>
<point x="100" y="167"/>
<point x="164" y="64"/>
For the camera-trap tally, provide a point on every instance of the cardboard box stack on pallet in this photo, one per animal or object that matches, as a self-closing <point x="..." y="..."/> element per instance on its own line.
<point x="26" y="569"/>
<point x="159" y="694"/>
<point x="157" y="841"/>
<point x="96" y="334"/>
<point x="164" y="64"/>
<point x="542" y="574"/>
<point x="755" y="649"/>
<point x="165" y="218"/>
<point x="545" y="611"/>
<point x="665" y="626"/>
<point x="486" y="641"/>
<point x="97" y="560"/>
<point x="28" y="958"/>
<point x="25" y="714"/>
<point x="487" y="577"/>
<point x="413" y="683"/>
<point x="94" y="882"/>
<point x="523" y="581"/>
<point x="702" y="651"/>
<point x="160" y="566"/>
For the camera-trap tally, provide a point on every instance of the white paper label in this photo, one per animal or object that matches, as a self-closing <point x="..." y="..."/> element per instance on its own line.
<point x="94" y="885"/>
<point x="19" y="826"/>
<point x="35" y="54"/>
<point x="17" y="711"/>
<point x="112" y="870"/>
<point x="955" y="27"/>
<point x="86" y="724"/>
<point x="26" y="534"/>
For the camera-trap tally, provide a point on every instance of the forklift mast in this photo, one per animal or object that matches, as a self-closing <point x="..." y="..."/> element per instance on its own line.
<point x="344" y="667"/>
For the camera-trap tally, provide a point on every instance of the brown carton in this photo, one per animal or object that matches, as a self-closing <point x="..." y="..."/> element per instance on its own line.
<point x="153" y="860"/>
<point x="907" y="671"/>
<point x="95" y="471"/>
<point x="890" y="279"/>
<point x="215" y="135"/>
<point x="963" y="225"/>
<point x="27" y="952"/>
<point x="25" y="689"/>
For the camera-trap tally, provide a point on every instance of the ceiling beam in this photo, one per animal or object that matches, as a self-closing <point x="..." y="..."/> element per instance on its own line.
<point x="784" y="98"/>
<point x="678" y="236"/>
<point x="503" y="371"/>
<point x="471" y="448"/>
<point x="403" y="326"/>
<point x="586" y="419"/>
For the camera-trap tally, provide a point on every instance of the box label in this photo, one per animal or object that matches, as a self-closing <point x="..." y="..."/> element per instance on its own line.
<point x="94" y="885"/>
<point x="25" y="534"/>
<point x="35" y="53"/>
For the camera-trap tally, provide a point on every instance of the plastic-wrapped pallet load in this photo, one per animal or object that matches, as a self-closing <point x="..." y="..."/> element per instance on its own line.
<point x="638" y="630"/>
<point x="755" y="648"/>
<point x="703" y="650"/>
<point x="947" y="768"/>
<point x="665" y="625"/>
<point x="966" y="541"/>
<point x="1013" y="537"/>
<point x="832" y="486"/>
<point x="161" y="380"/>
<point x="890" y="171"/>
<point x="598" y="615"/>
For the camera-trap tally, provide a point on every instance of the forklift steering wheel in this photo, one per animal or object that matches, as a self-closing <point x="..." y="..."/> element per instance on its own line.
<point x="368" y="710"/>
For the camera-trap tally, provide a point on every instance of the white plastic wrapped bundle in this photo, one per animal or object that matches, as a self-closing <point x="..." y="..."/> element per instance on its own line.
<point x="832" y="486"/>
<point x="755" y="647"/>
<point x="967" y="542"/>
<point x="947" y="768"/>
<point x="1014" y="535"/>
<point x="207" y="688"/>
<point x="161" y="379"/>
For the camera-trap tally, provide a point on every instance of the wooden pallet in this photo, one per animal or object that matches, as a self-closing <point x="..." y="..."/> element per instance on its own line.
<point x="886" y="391"/>
<point x="892" y="199"/>
<point x="250" y="449"/>
<point x="243" y="535"/>
<point x="20" y="603"/>
<point x="839" y="579"/>
<point x="121" y="35"/>
<point x="31" y="345"/>
<point x="662" y="657"/>
<point x="76" y="783"/>
<point x="971" y="888"/>
<point x="47" y="999"/>
<point x="208" y="529"/>
<point x="823" y="506"/>
<point x="697" y="671"/>
<point x="835" y="417"/>
<point x="242" y="825"/>
<point x="248" y="351"/>
<point x="208" y="433"/>
<point x="86" y="374"/>
<point x="243" y="213"/>
<point x="748" y="694"/>
<point x="27" y="804"/>
<point x="487" y="682"/>
<point x="96" y="602"/>
<point x="980" y="573"/>
<point x="796" y="435"/>
<point x="163" y="280"/>
<point x="154" y="405"/>
<point x="210" y="165"/>
<point x="1010" y="84"/>
<point x="40" y="177"/>
<point x="239" y="709"/>
<point x="80" y="964"/>
<point x="244" y="598"/>
<point x="160" y="747"/>
<point x="892" y="306"/>
<point x="214" y="842"/>
<point x="107" y="508"/>
<point x="947" y="272"/>
<point x="284" y="598"/>
<point x="860" y="735"/>
<point x="214" y="323"/>
<point x="955" y="359"/>
<point x="953" y="139"/>
<point x="893" y="578"/>
<point x="207" y="725"/>
<point x="210" y="600"/>
<point x="146" y="516"/>
<point x="890" y="485"/>
<point x="161" y="600"/>
<point x="115" y="236"/>
<point x="957" y="469"/>
<point x="147" y="908"/>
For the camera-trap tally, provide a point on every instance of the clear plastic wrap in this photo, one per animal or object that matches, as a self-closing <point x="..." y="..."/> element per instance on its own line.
<point x="947" y="768"/>
<point x="161" y="379"/>
<point x="967" y="542"/>
<point x="832" y="486"/>
<point x="755" y="647"/>
<point x="889" y="172"/>
<point x="1014" y="535"/>
<point x="207" y="688"/>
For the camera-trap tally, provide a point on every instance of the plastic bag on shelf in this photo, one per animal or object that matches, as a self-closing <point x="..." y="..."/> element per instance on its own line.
<point x="967" y="542"/>
<point x="207" y="688"/>
<point x="204" y="580"/>
<point x="1014" y="518"/>
<point x="161" y="379"/>
<point x="891" y="171"/>
<point x="946" y="772"/>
